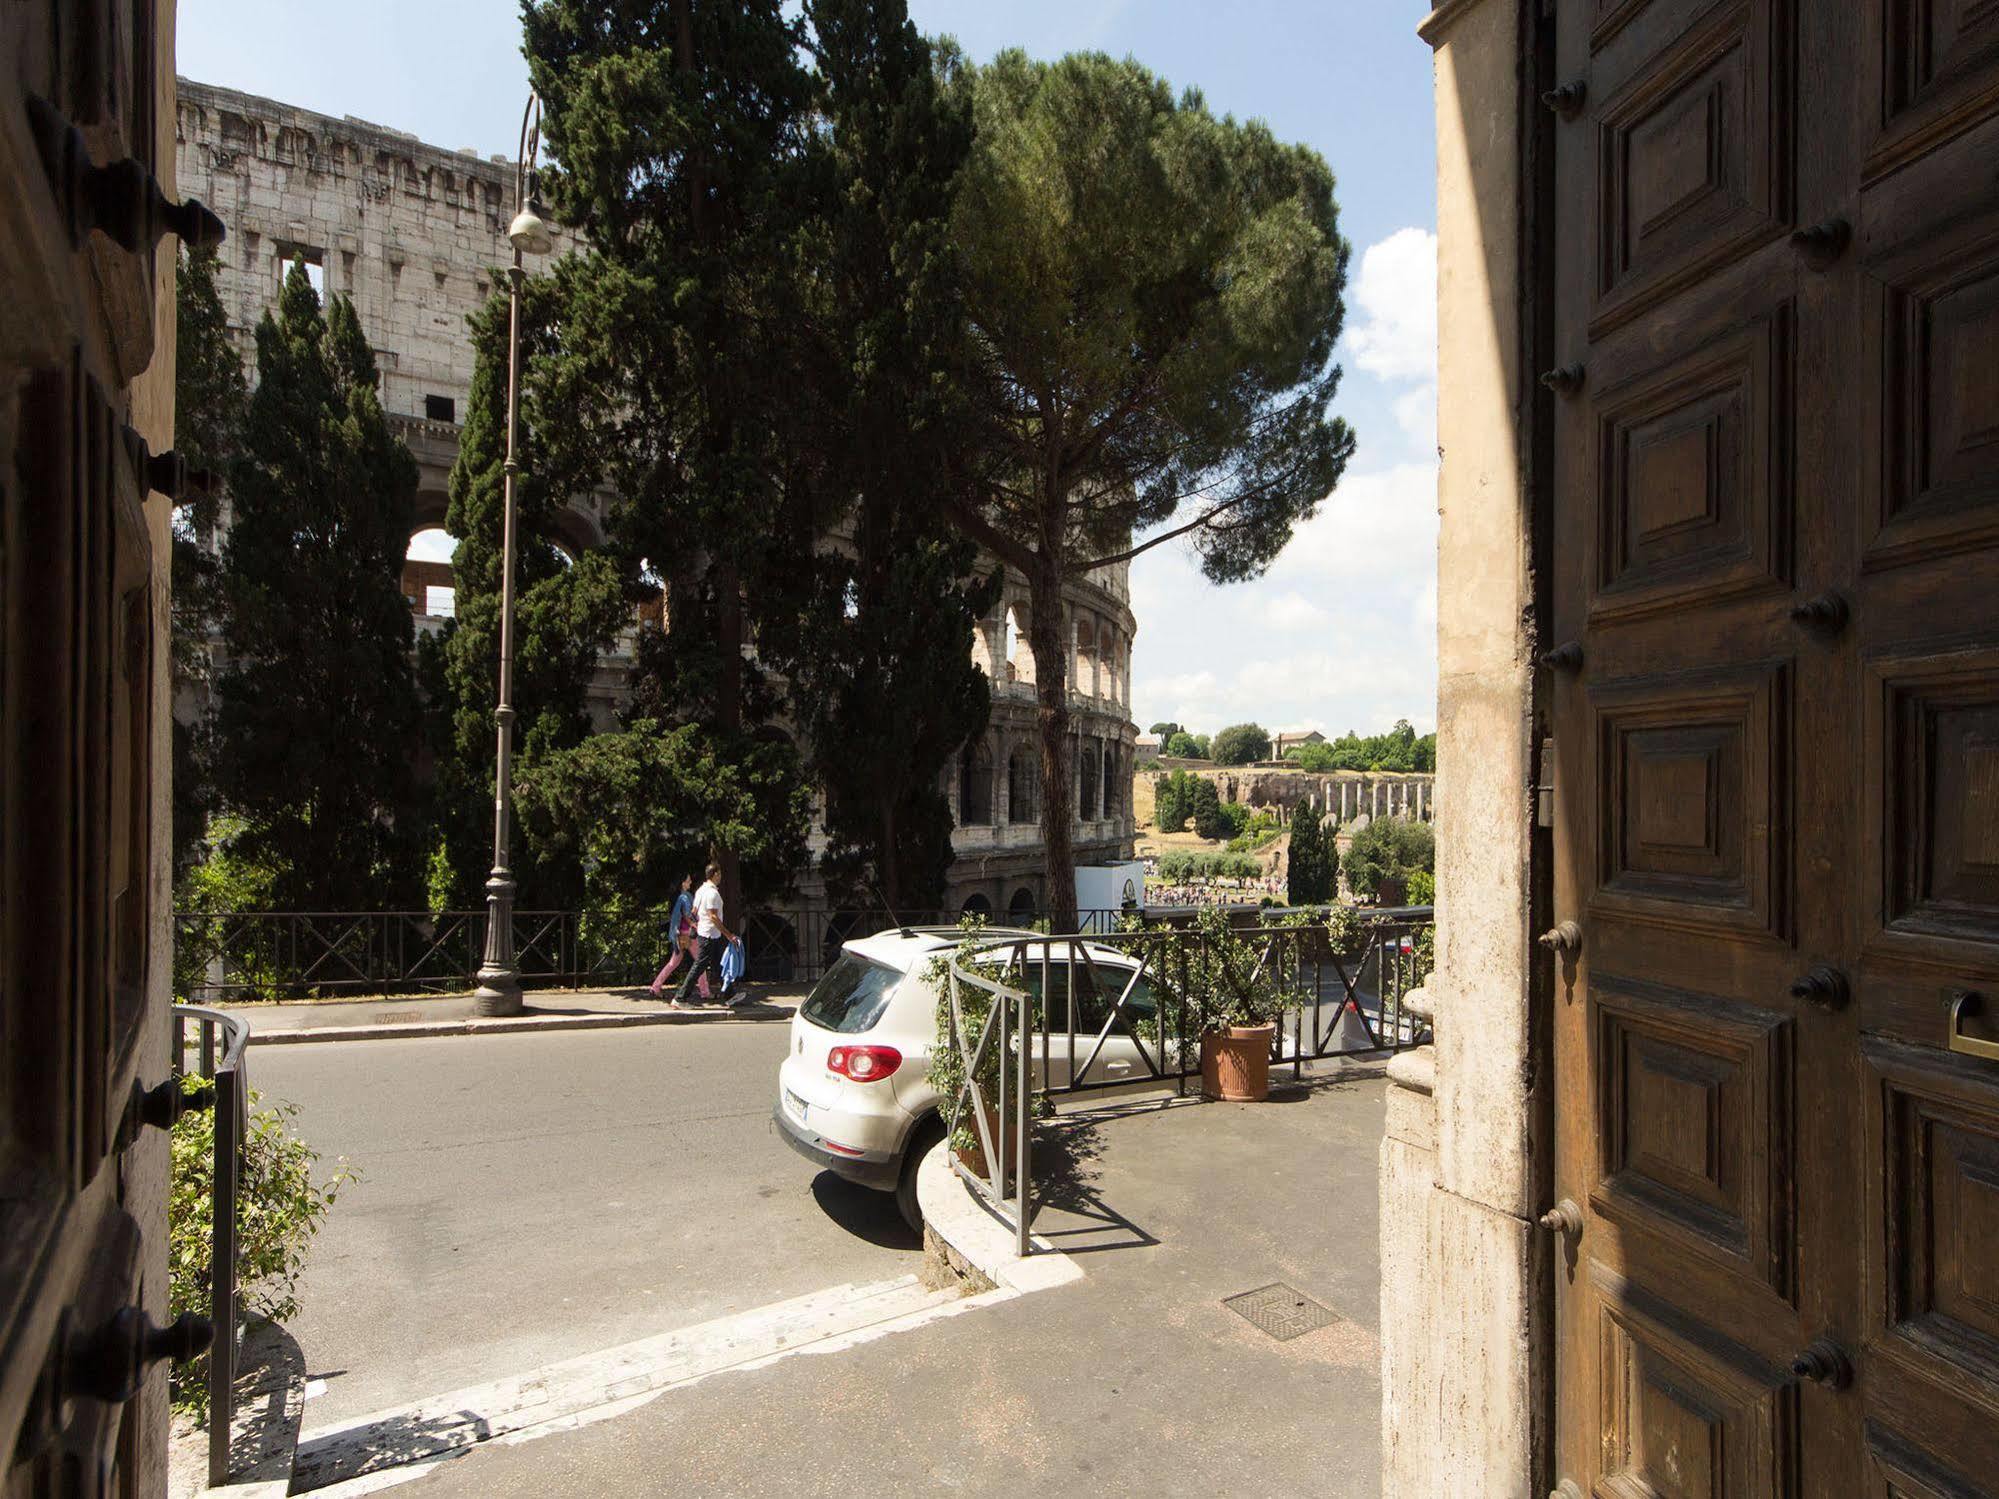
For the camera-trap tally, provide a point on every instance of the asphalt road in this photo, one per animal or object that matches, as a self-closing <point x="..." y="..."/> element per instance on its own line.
<point x="528" y="1198"/>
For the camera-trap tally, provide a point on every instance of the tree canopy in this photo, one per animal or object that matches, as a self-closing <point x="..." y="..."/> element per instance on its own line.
<point x="317" y="721"/>
<point x="1173" y="800"/>
<point x="1389" y="849"/>
<point x="754" y="355"/>
<point x="1400" y="749"/>
<point x="566" y="611"/>
<point x="209" y="399"/>
<point x="1205" y="808"/>
<point x="1152" y="296"/>
<point x="1313" y="867"/>
<point x="1241" y="744"/>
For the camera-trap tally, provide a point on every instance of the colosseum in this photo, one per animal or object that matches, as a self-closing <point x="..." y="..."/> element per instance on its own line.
<point x="413" y="234"/>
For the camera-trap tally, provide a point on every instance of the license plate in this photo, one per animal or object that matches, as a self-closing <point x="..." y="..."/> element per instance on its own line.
<point x="794" y="1105"/>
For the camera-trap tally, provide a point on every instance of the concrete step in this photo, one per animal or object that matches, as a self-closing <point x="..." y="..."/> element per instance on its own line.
<point x="605" y="1383"/>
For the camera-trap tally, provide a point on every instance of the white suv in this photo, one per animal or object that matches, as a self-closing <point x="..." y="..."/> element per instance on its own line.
<point x="854" y="1094"/>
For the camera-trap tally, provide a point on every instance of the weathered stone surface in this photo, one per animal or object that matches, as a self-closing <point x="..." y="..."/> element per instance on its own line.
<point x="1462" y="1350"/>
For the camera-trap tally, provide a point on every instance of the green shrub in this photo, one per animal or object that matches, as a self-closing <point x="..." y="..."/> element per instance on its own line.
<point x="1241" y="743"/>
<point x="279" y="1209"/>
<point x="1422" y="888"/>
<point x="222" y="882"/>
<point x="625" y="936"/>
<point x="1179" y="866"/>
<point x="440" y="881"/>
<point x="1229" y="980"/>
<point x="1389" y="848"/>
<point x="1346" y="933"/>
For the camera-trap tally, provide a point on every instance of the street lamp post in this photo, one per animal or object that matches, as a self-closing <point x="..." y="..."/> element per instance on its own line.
<point x="499" y="991"/>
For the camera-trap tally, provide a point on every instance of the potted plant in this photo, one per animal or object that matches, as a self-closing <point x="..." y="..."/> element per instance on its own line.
<point x="1236" y="990"/>
<point x="947" y="1067"/>
<point x="1346" y="933"/>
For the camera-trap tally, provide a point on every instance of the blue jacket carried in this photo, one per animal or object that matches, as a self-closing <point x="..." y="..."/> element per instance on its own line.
<point x="732" y="963"/>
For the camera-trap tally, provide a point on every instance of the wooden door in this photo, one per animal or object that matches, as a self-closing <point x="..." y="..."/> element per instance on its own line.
<point x="1776" y="533"/>
<point x="82" y="1036"/>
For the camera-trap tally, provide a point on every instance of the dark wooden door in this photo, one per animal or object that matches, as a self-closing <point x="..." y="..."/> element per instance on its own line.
<point x="1776" y="532"/>
<point x="82" y="1181"/>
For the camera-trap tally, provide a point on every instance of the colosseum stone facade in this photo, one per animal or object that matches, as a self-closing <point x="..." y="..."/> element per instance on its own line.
<point x="414" y="234"/>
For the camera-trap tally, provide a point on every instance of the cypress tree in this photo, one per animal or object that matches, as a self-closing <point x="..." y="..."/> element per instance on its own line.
<point x="566" y="611"/>
<point x="317" y="715"/>
<point x="877" y="657"/>
<point x="1205" y="807"/>
<point x="687" y="145"/>
<point x="1314" y="860"/>
<point x="209" y="394"/>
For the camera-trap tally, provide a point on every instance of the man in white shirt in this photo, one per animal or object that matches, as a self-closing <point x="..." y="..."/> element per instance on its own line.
<point x="711" y="940"/>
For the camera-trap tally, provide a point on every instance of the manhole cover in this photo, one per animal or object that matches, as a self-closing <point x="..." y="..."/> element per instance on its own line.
<point x="1280" y="1311"/>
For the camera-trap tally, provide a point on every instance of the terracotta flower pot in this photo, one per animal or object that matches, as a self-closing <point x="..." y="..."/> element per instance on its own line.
<point x="1235" y="1062"/>
<point x="973" y="1156"/>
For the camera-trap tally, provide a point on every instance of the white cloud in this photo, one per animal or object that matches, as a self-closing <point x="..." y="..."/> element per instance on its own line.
<point x="1416" y="415"/>
<point x="1290" y="612"/>
<point x="1342" y="632"/>
<point x="1396" y="294"/>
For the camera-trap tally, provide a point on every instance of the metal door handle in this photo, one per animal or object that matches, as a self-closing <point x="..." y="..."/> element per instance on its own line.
<point x="1117" y="1067"/>
<point x="1564" y="936"/>
<point x="1563" y="1218"/>
<point x="1965" y="1002"/>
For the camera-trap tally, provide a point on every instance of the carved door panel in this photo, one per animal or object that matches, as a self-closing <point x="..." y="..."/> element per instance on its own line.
<point x="1776" y="442"/>
<point x="1925" y="281"/>
<point x="82" y="1181"/>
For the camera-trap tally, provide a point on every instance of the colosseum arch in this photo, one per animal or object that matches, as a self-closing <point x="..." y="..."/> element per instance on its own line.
<point x="1023" y="784"/>
<point x="1020" y="654"/>
<point x="975" y="785"/>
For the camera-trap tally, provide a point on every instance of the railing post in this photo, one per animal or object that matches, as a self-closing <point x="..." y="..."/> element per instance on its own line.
<point x="222" y="1275"/>
<point x="1026" y="1003"/>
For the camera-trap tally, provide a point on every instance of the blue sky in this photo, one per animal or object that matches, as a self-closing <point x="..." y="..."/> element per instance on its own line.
<point x="1342" y="633"/>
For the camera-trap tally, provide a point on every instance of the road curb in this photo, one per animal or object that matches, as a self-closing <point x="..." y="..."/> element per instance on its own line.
<point x="968" y="1232"/>
<point x="497" y="1026"/>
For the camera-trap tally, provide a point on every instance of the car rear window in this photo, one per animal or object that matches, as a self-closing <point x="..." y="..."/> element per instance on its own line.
<point x="852" y="995"/>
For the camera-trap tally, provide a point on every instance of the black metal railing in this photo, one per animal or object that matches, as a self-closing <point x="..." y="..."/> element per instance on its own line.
<point x="273" y="955"/>
<point x="218" y="1055"/>
<point x="270" y="955"/>
<point x="1081" y="1013"/>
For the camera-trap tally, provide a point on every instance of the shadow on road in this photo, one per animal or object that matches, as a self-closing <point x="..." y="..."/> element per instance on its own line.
<point x="864" y="1212"/>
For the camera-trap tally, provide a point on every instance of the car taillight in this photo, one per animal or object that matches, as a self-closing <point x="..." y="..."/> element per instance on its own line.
<point x="864" y="1064"/>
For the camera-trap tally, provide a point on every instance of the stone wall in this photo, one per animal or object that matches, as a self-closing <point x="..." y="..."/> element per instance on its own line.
<point x="414" y="234"/>
<point x="1347" y="794"/>
<point x="1464" y="1274"/>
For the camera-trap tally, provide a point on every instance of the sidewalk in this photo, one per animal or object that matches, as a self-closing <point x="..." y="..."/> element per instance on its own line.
<point x="408" y="1016"/>
<point x="1135" y="1378"/>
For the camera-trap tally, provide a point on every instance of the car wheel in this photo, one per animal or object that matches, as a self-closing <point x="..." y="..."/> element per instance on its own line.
<point x="925" y="1135"/>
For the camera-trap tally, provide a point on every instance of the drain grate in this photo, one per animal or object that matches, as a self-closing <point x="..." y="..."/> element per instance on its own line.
<point x="397" y="1017"/>
<point x="1281" y="1311"/>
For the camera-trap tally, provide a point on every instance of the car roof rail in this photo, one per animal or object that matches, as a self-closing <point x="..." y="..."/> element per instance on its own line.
<point x="958" y="931"/>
